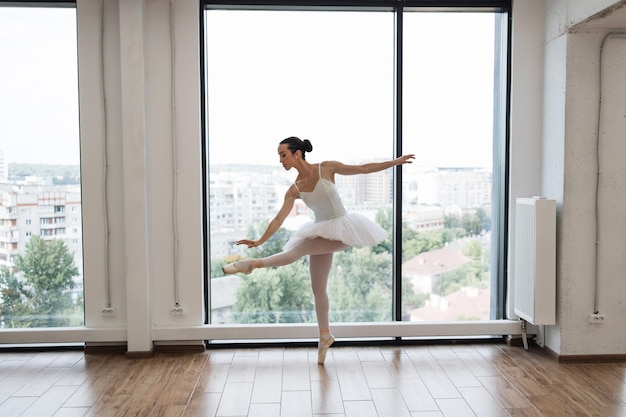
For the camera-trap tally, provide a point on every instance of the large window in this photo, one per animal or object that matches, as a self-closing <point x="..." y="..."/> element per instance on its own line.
<point x="361" y="84"/>
<point x="450" y="77"/>
<point x="40" y="207"/>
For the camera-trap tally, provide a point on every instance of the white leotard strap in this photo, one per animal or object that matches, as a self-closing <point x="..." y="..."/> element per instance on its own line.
<point x="319" y="170"/>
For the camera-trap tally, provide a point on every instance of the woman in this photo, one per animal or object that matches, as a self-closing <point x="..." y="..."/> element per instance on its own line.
<point x="333" y="230"/>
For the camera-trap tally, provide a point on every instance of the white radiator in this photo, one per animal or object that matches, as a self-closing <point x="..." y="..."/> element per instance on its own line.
<point x="535" y="260"/>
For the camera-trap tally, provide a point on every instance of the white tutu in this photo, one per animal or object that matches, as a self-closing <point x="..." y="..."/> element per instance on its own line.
<point x="353" y="229"/>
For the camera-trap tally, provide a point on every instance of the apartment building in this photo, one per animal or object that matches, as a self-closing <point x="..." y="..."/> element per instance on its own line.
<point x="462" y="187"/>
<point x="4" y="168"/>
<point x="52" y="212"/>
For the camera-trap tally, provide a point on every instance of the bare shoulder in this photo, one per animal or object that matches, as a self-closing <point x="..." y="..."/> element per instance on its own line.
<point x="292" y="193"/>
<point x="337" y="167"/>
<point x="331" y="166"/>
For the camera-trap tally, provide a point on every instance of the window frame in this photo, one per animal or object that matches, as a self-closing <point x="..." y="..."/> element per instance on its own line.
<point x="501" y="148"/>
<point x="51" y="230"/>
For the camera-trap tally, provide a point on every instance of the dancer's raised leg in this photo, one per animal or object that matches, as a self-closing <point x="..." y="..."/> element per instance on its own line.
<point x="315" y="246"/>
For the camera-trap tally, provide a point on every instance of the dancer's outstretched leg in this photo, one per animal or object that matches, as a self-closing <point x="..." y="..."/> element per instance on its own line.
<point x="319" y="266"/>
<point x="315" y="246"/>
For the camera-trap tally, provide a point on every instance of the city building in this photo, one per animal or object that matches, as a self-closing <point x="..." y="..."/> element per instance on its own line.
<point x="463" y="187"/>
<point x="4" y="167"/>
<point x="52" y="212"/>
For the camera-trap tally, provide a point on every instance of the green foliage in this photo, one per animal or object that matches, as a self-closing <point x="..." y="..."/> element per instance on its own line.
<point x="472" y="274"/>
<point x="272" y="295"/>
<point x="411" y="299"/>
<point x="216" y="268"/>
<point x="41" y="296"/>
<point x="13" y="294"/>
<point x="384" y="218"/>
<point x="485" y="219"/>
<point x="273" y="245"/>
<point x="473" y="250"/>
<point x="275" y="295"/>
<point x="422" y="242"/>
<point x="473" y="223"/>
<point x="415" y="242"/>
<point x="360" y="290"/>
<point x="360" y="286"/>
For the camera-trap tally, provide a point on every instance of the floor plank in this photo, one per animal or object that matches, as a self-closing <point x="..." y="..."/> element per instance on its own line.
<point x="389" y="402"/>
<point x="296" y="404"/>
<point x="268" y="382"/>
<point x="235" y="399"/>
<point x="360" y="409"/>
<point x="354" y="385"/>
<point x="487" y="380"/>
<point x="326" y="397"/>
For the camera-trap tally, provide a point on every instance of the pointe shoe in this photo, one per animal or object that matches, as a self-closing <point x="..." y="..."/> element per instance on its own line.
<point x="322" y="349"/>
<point x="234" y="269"/>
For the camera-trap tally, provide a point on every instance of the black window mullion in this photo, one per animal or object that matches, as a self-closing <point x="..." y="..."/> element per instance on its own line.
<point x="397" y="204"/>
<point x="205" y="168"/>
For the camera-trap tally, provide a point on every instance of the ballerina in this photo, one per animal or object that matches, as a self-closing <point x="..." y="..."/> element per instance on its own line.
<point x="333" y="230"/>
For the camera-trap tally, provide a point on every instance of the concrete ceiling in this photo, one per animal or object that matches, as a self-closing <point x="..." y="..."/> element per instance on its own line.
<point x="613" y="18"/>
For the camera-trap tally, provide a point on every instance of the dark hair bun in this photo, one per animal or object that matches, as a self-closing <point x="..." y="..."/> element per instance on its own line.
<point x="306" y="144"/>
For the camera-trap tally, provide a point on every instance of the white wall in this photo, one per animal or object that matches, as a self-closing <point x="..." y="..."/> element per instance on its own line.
<point x="570" y="114"/>
<point x="139" y="69"/>
<point x="580" y="218"/>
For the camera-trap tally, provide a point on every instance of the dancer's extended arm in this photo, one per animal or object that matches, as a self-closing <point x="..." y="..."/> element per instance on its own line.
<point x="339" y="168"/>
<point x="276" y="222"/>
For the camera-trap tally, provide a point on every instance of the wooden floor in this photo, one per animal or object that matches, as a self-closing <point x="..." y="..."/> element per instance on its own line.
<point x="415" y="381"/>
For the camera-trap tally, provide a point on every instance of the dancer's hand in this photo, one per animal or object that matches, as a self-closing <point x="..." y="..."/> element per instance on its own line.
<point x="405" y="159"/>
<point x="248" y="243"/>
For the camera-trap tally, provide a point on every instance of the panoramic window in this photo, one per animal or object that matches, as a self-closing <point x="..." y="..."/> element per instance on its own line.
<point x="41" y="266"/>
<point x="331" y="76"/>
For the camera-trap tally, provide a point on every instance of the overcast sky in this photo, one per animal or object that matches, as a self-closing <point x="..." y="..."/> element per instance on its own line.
<point x="324" y="76"/>
<point x="329" y="77"/>
<point x="38" y="85"/>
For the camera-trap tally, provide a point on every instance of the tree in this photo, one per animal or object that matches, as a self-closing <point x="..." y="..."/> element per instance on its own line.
<point x="473" y="223"/>
<point x="411" y="299"/>
<point x="415" y="242"/>
<point x="360" y="286"/>
<point x="473" y="274"/>
<point x="275" y="295"/>
<point x="384" y="218"/>
<point x="13" y="308"/>
<point x="485" y="219"/>
<point x="39" y="295"/>
<point x="273" y="245"/>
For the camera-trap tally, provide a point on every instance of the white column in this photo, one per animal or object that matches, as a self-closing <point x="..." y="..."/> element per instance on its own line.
<point x="135" y="193"/>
